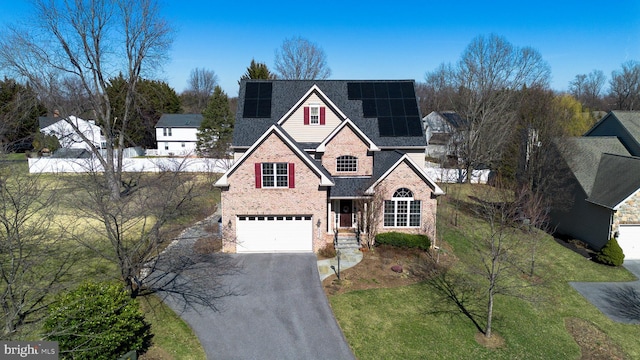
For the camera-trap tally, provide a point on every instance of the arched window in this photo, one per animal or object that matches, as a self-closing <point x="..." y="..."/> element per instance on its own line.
<point x="402" y="210"/>
<point x="346" y="163"/>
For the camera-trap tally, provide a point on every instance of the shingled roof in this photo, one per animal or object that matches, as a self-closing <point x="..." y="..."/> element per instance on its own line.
<point x="180" y="120"/>
<point x="618" y="177"/>
<point x="285" y="94"/>
<point x="583" y="154"/>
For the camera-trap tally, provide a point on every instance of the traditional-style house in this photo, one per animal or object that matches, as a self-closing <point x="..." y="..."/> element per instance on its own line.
<point x="306" y="152"/>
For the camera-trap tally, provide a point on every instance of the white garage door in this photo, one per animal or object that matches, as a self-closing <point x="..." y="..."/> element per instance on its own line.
<point x="274" y="233"/>
<point x="629" y="240"/>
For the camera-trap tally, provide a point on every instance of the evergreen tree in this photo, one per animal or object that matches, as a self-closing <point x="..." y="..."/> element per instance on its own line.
<point x="216" y="129"/>
<point x="257" y="70"/>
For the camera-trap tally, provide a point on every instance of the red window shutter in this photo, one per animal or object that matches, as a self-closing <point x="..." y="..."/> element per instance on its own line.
<point x="292" y="175"/>
<point x="322" y="115"/>
<point x="258" y="168"/>
<point x="306" y="115"/>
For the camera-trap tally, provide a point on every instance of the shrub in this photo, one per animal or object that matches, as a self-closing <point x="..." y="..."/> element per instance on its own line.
<point x="610" y="254"/>
<point x="404" y="240"/>
<point x="327" y="251"/>
<point x="97" y="321"/>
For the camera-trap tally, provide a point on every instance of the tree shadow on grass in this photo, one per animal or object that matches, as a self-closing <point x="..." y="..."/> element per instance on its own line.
<point x="624" y="302"/>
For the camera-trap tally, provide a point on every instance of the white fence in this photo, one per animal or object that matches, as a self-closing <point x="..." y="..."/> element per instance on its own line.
<point x="157" y="164"/>
<point x="442" y="175"/>
<point x="57" y="165"/>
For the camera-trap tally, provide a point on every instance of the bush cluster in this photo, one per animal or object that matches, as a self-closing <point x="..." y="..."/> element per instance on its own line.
<point x="97" y="321"/>
<point x="404" y="240"/>
<point x="327" y="251"/>
<point x="610" y="254"/>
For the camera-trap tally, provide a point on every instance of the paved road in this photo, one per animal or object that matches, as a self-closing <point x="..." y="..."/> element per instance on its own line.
<point x="617" y="300"/>
<point x="281" y="312"/>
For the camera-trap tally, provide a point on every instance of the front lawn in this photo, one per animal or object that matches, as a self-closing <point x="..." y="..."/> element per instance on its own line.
<point x="400" y="323"/>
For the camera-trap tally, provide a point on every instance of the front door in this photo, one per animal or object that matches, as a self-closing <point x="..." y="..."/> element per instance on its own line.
<point x="346" y="220"/>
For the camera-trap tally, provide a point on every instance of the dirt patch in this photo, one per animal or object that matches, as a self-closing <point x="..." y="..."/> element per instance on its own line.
<point x="375" y="270"/>
<point x="494" y="342"/>
<point x="593" y="342"/>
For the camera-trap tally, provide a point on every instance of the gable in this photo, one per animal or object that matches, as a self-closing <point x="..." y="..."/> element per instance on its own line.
<point x="346" y="142"/>
<point x="302" y="129"/>
<point x="386" y="165"/>
<point x="278" y="145"/>
<point x="625" y="125"/>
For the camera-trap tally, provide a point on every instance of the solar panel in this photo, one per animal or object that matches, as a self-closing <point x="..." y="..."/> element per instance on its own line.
<point x="257" y="100"/>
<point x="392" y="103"/>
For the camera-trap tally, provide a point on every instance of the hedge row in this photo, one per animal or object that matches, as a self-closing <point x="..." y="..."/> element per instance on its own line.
<point x="404" y="240"/>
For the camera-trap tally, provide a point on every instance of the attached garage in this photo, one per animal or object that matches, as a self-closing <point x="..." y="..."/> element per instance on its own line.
<point x="262" y="233"/>
<point x="629" y="241"/>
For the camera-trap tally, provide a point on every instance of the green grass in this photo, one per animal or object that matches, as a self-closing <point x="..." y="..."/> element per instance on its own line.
<point x="173" y="338"/>
<point x="400" y="323"/>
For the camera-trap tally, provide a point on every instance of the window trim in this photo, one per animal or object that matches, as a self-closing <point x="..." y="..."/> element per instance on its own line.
<point x="314" y="119"/>
<point x="279" y="176"/>
<point x="346" y="163"/>
<point x="403" y="211"/>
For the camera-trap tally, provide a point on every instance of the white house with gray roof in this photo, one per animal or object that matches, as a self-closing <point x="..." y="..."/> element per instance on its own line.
<point x="176" y="134"/>
<point x="65" y="130"/>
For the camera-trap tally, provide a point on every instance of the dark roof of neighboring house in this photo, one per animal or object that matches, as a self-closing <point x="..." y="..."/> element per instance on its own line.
<point x="631" y="121"/>
<point x="44" y="121"/>
<point x="454" y="119"/>
<point x="180" y="120"/>
<point x="583" y="155"/>
<point x="67" y="153"/>
<point x="286" y="93"/>
<point x="617" y="178"/>
<point x="439" y="139"/>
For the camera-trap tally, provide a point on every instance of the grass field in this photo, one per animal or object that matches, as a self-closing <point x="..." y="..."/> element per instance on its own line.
<point x="400" y="323"/>
<point x="173" y="338"/>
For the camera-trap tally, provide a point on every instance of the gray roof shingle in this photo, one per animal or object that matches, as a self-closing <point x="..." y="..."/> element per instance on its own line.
<point x="180" y="121"/>
<point x="617" y="178"/>
<point x="286" y="93"/>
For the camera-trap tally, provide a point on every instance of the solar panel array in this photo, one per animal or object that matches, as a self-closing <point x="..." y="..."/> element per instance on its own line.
<point x="257" y="100"/>
<point x="393" y="103"/>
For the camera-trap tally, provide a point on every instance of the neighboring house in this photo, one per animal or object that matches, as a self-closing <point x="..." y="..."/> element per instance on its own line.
<point x="67" y="136"/>
<point x="604" y="170"/>
<point x="176" y="134"/>
<point x="444" y="133"/>
<point x="307" y="152"/>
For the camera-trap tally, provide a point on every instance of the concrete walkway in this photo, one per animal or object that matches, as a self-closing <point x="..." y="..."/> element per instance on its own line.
<point x="348" y="258"/>
<point x="617" y="300"/>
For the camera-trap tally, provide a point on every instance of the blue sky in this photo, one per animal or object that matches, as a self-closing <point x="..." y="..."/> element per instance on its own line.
<point x="390" y="40"/>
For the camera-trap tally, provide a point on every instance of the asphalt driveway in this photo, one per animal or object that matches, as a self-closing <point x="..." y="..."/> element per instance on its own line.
<point x="280" y="312"/>
<point x="620" y="301"/>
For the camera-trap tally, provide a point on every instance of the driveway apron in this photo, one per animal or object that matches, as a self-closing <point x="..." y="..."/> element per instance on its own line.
<point x="280" y="312"/>
<point x="612" y="298"/>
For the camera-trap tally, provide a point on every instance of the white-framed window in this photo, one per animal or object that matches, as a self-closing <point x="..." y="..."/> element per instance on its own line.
<point x="166" y="146"/>
<point x="166" y="131"/>
<point x="402" y="210"/>
<point x="346" y="163"/>
<point x="275" y="175"/>
<point x="314" y="114"/>
<point x="183" y="145"/>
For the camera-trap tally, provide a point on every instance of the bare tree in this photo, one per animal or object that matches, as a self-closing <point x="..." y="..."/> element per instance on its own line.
<point x="70" y="52"/>
<point x="484" y="85"/>
<point x="371" y="210"/>
<point x="588" y="88"/>
<point x="300" y="59"/>
<point x="625" y="86"/>
<point x="201" y="84"/>
<point x="34" y="261"/>
<point x="72" y="49"/>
